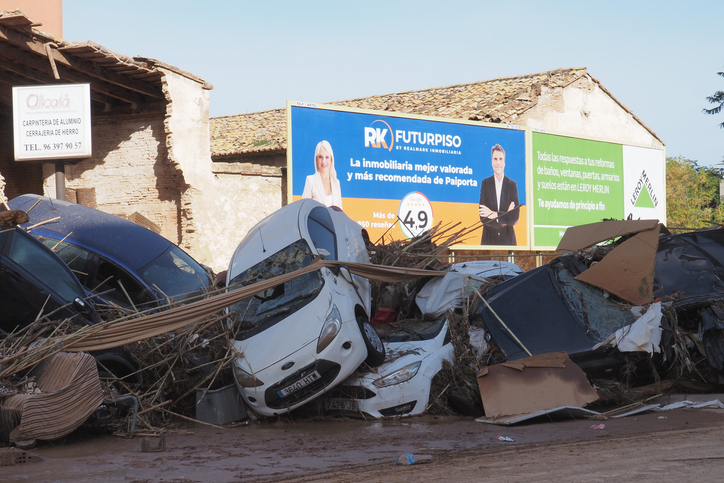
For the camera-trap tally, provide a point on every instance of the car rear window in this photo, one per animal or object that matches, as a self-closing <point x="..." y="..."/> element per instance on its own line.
<point x="175" y="275"/>
<point x="45" y="267"/>
<point x="321" y="230"/>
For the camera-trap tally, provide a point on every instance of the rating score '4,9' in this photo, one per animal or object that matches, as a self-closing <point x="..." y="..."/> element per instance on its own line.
<point x="415" y="214"/>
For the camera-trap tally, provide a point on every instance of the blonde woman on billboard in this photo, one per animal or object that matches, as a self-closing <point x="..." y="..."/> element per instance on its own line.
<point x="323" y="185"/>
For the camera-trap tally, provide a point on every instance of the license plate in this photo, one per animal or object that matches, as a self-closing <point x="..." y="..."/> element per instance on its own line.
<point x="340" y="405"/>
<point x="305" y="381"/>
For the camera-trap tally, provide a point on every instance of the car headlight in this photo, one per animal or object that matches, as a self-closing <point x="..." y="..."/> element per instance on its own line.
<point x="400" y="375"/>
<point x="330" y="329"/>
<point x="245" y="379"/>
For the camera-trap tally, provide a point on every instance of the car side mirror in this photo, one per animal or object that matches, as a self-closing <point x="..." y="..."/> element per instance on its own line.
<point x="81" y="306"/>
<point x="344" y="272"/>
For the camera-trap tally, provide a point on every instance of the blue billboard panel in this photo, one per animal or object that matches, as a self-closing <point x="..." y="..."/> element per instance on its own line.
<point x="398" y="176"/>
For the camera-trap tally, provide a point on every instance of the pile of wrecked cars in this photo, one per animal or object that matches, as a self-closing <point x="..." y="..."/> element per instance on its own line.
<point x="627" y="303"/>
<point x="303" y="338"/>
<point x="70" y="266"/>
<point x="622" y="301"/>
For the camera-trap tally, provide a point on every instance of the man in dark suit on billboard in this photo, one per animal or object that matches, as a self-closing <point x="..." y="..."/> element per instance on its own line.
<point x="499" y="207"/>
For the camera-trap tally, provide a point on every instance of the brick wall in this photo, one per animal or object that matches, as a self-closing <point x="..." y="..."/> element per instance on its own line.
<point x="129" y="173"/>
<point x="20" y="177"/>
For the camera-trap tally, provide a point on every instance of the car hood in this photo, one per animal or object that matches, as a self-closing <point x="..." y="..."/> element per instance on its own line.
<point x="284" y="338"/>
<point x="401" y="352"/>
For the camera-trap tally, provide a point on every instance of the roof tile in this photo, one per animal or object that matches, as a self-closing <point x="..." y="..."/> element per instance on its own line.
<point x="497" y="100"/>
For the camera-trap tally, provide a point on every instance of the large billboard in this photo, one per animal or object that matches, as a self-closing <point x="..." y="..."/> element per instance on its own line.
<point x="577" y="181"/>
<point x="399" y="175"/>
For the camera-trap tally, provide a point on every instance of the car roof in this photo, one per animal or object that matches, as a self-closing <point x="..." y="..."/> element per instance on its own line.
<point x="287" y="225"/>
<point x="108" y="235"/>
<point x="267" y="237"/>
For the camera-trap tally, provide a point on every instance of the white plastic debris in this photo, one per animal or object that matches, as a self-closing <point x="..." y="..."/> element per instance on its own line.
<point x="477" y="340"/>
<point x="443" y="293"/>
<point x="642" y="335"/>
<point x="713" y="404"/>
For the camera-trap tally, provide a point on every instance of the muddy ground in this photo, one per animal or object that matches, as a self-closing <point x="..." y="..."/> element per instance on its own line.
<point x="681" y="444"/>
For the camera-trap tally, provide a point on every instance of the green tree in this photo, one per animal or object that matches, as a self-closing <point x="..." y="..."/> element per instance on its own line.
<point x="718" y="99"/>
<point x="692" y="194"/>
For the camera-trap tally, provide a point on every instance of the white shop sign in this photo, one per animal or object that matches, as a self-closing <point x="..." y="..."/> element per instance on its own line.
<point x="51" y="122"/>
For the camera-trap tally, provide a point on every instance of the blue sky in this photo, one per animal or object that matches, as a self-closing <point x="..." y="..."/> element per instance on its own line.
<point x="659" y="58"/>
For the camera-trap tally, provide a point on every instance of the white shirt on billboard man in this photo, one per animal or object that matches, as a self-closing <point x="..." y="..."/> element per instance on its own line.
<point x="323" y="185"/>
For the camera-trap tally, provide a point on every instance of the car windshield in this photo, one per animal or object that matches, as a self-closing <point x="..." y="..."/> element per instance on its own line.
<point x="175" y="275"/>
<point x="599" y="313"/>
<point x="266" y="308"/>
<point x="109" y="284"/>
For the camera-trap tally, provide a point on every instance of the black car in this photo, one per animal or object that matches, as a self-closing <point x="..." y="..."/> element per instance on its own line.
<point x="547" y="310"/>
<point x="35" y="282"/>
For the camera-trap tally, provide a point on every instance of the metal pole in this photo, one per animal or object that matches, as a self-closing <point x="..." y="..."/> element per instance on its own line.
<point x="60" y="180"/>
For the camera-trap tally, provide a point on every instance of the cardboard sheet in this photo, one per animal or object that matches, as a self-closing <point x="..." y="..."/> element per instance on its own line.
<point x="564" y="412"/>
<point x="532" y="384"/>
<point x="584" y="236"/>
<point x="628" y="270"/>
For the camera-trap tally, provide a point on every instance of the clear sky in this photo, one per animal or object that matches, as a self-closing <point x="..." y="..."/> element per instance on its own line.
<point x="659" y="58"/>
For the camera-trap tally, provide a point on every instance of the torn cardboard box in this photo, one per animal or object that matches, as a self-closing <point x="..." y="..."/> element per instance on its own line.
<point x="536" y="383"/>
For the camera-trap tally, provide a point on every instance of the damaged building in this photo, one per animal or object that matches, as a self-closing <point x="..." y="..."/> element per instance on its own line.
<point x="158" y="158"/>
<point x="150" y="136"/>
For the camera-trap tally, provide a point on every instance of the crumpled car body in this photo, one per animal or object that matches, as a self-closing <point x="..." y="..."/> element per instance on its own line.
<point x="416" y="351"/>
<point x="449" y="292"/>
<point x="124" y="264"/>
<point x="34" y="281"/>
<point x="303" y="337"/>
<point x="546" y="310"/>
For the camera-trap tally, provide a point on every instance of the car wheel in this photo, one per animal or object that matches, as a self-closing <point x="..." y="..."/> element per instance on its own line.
<point x="375" y="348"/>
<point x="116" y="363"/>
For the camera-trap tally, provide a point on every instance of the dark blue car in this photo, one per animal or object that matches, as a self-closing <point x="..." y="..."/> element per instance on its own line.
<point x="124" y="264"/>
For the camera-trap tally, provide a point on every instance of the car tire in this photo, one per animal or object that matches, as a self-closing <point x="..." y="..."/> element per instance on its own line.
<point x="117" y="363"/>
<point x="375" y="349"/>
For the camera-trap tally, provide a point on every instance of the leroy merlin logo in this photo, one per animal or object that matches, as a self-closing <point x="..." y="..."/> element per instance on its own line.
<point x="643" y="195"/>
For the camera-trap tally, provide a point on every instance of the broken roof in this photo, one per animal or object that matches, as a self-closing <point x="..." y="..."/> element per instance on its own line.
<point x="501" y="100"/>
<point x="30" y="56"/>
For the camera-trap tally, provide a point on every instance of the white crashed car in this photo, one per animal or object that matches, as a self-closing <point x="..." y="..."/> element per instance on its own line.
<point x="303" y="337"/>
<point x="400" y="386"/>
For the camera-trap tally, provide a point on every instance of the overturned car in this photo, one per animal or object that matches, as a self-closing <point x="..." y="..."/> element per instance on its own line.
<point x="586" y="302"/>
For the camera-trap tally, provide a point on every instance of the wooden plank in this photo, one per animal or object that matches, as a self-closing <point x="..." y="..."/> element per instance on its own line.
<point x="246" y="169"/>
